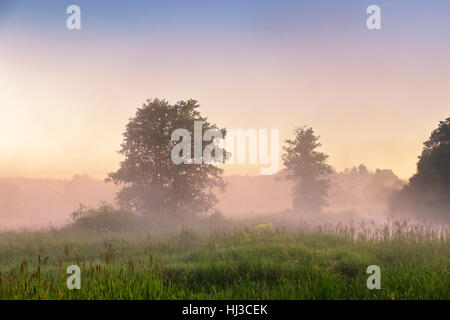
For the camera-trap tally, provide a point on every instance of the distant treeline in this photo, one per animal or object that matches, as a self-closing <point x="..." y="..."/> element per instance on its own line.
<point x="37" y="202"/>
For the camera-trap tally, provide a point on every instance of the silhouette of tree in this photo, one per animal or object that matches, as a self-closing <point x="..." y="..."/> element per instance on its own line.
<point x="152" y="183"/>
<point x="428" y="192"/>
<point x="308" y="169"/>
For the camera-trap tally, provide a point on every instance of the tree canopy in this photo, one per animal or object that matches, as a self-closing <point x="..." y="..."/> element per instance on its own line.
<point x="152" y="183"/>
<point x="428" y="192"/>
<point x="308" y="169"/>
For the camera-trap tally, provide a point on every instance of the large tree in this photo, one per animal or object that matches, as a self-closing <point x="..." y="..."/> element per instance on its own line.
<point x="152" y="183"/>
<point x="427" y="195"/>
<point x="308" y="169"/>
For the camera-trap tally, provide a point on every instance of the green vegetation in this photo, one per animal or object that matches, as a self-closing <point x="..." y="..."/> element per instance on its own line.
<point x="152" y="182"/>
<point x="255" y="261"/>
<point x="428" y="192"/>
<point x="308" y="169"/>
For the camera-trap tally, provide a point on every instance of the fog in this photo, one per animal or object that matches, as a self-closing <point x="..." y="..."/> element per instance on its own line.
<point x="43" y="202"/>
<point x="355" y="193"/>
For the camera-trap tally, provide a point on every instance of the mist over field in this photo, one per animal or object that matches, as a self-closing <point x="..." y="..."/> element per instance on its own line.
<point x="354" y="194"/>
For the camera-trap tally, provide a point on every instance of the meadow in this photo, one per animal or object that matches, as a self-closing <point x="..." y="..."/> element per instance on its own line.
<point x="239" y="261"/>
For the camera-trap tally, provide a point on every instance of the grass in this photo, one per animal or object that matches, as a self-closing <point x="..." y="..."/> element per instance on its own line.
<point x="247" y="262"/>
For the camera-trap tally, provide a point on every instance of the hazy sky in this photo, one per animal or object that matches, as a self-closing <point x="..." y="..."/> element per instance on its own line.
<point x="373" y="96"/>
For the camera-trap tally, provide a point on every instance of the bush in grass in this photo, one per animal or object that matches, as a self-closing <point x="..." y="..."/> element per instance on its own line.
<point x="104" y="218"/>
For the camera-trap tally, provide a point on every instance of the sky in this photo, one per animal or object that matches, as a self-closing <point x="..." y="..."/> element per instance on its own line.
<point x="373" y="96"/>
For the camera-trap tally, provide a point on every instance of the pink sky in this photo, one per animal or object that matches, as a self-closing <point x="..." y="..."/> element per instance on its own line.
<point x="65" y="98"/>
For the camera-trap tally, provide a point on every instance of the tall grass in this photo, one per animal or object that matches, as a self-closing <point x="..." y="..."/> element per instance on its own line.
<point x="236" y="261"/>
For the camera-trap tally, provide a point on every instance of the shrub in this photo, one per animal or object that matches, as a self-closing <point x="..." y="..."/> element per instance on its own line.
<point x="104" y="218"/>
